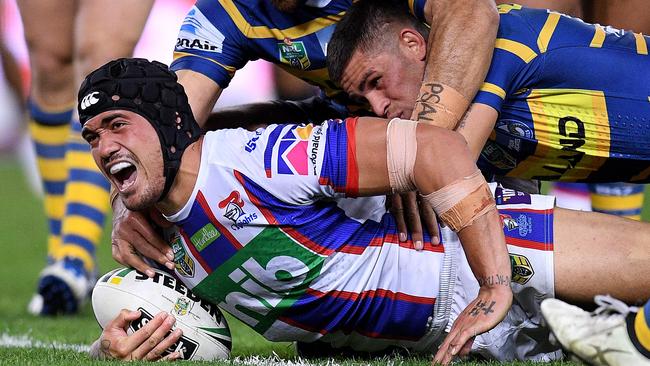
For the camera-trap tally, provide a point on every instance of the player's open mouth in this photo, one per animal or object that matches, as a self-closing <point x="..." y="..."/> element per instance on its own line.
<point x="124" y="174"/>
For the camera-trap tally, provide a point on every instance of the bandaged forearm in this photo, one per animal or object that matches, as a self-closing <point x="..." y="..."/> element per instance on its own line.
<point x="440" y="105"/>
<point x="401" y="148"/>
<point x="461" y="202"/>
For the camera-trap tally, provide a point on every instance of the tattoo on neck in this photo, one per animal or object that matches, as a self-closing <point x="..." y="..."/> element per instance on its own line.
<point x="429" y="96"/>
<point x="495" y="280"/>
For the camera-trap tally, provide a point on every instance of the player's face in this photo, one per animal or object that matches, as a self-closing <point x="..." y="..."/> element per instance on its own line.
<point x="127" y="150"/>
<point x="388" y="81"/>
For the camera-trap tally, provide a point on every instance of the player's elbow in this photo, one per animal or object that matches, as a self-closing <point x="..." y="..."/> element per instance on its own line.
<point x="486" y="16"/>
<point x="442" y="153"/>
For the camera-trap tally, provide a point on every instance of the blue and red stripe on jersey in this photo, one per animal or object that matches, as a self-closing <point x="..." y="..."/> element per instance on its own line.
<point x="363" y="313"/>
<point x="223" y="247"/>
<point x="323" y="227"/>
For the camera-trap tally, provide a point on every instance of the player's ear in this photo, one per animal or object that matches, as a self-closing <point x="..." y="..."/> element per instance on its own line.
<point x="413" y="43"/>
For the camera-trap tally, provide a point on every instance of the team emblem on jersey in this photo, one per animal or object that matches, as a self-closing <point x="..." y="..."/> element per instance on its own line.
<point x="234" y="211"/>
<point x="184" y="264"/>
<point x="514" y="128"/>
<point x="505" y="196"/>
<point x="508" y="222"/>
<point x="293" y="154"/>
<point x="522" y="270"/>
<point x="182" y="306"/>
<point x="525" y="224"/>
<point x="294" y="53"/>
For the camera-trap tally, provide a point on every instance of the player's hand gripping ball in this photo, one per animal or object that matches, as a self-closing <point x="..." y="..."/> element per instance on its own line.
<point x="206" y="335"/>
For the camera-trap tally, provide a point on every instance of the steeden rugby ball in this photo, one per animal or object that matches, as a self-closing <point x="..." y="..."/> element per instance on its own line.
<point x="206" y="335"/>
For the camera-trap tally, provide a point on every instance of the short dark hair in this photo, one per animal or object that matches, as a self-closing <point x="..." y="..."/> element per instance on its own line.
<point x="363" y="27"/>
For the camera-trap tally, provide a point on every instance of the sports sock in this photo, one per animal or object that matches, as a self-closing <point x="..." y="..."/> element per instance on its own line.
<point x="86" y="202"/>
<point x="50" y="127"/>
<point x="621" y="199"/>
<point x="638" y="328"/>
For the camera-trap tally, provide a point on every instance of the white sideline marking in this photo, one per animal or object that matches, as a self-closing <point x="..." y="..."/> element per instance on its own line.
<point x="25" y="341"/>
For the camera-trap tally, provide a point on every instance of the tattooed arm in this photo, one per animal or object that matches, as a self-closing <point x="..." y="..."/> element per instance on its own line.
<point x="458" y="58"/>
<point x="148" y="343"/>
<point x="476" y="126"/>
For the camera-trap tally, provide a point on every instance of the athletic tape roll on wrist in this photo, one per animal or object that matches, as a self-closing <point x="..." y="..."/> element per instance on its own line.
<point x="401" y="148"/>
<point x="151" y="90"/>
<point x="449" y="109"/>
<point x="461" y="202"/>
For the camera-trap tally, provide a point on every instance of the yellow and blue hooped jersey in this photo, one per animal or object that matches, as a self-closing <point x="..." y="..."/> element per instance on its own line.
<point x="573" y="100"/>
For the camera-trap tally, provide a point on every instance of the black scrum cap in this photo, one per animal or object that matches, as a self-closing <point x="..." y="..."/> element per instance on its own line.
<point x="150" y="89"/>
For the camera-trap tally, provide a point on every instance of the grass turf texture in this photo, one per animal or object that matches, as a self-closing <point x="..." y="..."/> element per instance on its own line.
<point x="40" y="341"/>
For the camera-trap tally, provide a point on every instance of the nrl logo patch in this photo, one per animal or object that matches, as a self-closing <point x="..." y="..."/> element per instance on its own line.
<point x="522" y="270"/>
<point x="182" y="306"/>
<point x="294" y="54"/>
<point x="183" y="263"/>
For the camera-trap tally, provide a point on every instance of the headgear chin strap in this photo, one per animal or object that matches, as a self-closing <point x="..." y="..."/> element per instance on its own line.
<point x="150" y="89"/>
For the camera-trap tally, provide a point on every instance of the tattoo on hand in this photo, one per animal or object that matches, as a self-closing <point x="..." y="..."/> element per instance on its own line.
<point x="496" y="280"/>
<point x="481" y="307"/>
<point x="427" y="99"/>
<point x="100" y="350"/>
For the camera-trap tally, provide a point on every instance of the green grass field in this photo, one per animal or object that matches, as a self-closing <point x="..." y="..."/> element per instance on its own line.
<point x="29" y="340"/>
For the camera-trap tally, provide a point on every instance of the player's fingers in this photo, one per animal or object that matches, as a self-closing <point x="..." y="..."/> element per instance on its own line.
<point x="122" y="320"/>
<point x="147" y="247"/>
<point x="412" y="217"/>
<point x="125" y="254"/>
<point x="397" y="210"/>
<point x="157" y="352"/>
<point x="171" y="357"/>
<point x="143" y="334"/>
<point x="430" y="221"/>
<point x="154" y="346"/>
<point x="146" y="229"/>
<point x="467" y="347"/>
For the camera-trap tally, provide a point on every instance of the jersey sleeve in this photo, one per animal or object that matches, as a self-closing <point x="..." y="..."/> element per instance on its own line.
<point x="298" y="164"/>
<point x="514" y="61"/>
<point x="210" y="43"/>
<point x="416" y="7"/>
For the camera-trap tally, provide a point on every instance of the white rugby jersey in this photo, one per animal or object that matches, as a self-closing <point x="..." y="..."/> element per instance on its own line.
<point x="267" y="235"/>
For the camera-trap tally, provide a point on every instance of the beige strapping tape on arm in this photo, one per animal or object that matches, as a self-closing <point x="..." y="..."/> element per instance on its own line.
<point x="401" y="150"/>
<point x="461" y="202"/>
<point x="447" y="112"/>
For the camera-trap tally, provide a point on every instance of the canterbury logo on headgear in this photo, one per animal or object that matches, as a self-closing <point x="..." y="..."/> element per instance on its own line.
<point x="88" y="100"/>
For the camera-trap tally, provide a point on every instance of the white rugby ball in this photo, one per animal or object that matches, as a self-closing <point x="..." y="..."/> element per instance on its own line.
<point x="206" y="335"/>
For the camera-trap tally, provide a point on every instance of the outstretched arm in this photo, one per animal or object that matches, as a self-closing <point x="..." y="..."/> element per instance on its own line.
<point x="459" y="52"/>
<point x="442" y="158"/>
